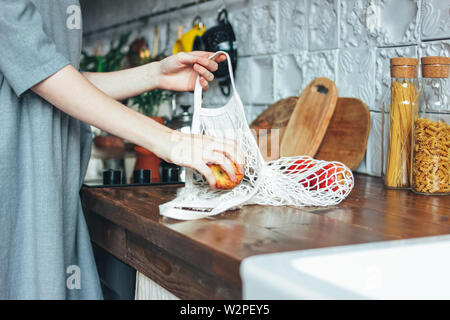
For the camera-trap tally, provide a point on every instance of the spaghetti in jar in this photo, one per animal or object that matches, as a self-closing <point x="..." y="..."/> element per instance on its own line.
<point x="402" y="112"/>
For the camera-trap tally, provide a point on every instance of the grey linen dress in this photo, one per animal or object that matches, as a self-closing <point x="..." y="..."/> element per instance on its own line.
<point x="45" y="251"/>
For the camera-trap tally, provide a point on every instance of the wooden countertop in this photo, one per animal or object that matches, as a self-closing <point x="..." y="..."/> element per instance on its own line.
<point x="200" y="259"/>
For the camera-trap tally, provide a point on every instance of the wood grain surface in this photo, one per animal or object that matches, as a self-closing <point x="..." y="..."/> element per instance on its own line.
<point x="346" y="137"/>
<point x="200" y="259"/>
<point x="310" y="118"/>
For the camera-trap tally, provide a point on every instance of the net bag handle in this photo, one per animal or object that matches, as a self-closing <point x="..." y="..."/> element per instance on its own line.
<point x="199" y="90"/>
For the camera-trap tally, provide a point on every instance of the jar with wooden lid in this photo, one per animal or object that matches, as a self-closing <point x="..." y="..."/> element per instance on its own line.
<point x="431" y="130"/>
<point x="398" y="113"/>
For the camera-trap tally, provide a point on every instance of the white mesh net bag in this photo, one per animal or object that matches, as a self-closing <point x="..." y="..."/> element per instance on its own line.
<point x="291" y="181"/>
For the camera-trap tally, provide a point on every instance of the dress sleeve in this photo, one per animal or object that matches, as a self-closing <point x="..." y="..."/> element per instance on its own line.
<point x="27" y="54"/>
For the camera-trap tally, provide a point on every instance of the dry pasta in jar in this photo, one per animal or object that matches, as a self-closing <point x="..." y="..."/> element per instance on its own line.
<point x="431" y="138"/>
<point x="431" y="169"/>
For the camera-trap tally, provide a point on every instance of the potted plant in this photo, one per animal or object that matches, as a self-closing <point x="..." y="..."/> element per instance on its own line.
<point x="111" y="61"/>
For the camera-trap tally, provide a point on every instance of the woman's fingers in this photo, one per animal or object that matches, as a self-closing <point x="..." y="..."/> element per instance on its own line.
<point x="202" y="64"/>
<point x="205" y="55"/>
<point x="204" y="83"/>
<point x="203" y="72"/>
<point x="219" y="58"/>
<point x="192" y="58"/>
<point x="231" y="154"/>
<point x="221" y="160"/>
<point x="237" y="156"/>
<point x="207" y="173"/>
<point x="231" y="150"/>
<point x="188" y="58"/>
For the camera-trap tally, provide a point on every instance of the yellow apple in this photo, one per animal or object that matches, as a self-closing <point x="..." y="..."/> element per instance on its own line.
<point x="223" y="181"/>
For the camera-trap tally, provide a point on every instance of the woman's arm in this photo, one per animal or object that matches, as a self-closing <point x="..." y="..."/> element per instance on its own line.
<point x="69" y="91"/>
<point x="177" y="73"/>
<point x="126" y="83"/>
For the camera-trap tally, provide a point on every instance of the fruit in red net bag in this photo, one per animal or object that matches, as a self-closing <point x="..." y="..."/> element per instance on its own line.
<point x="334" y="173"/>
<point x="223" y="181"/>
<point x="321" y="179"/>
<point x="300" y="166"/>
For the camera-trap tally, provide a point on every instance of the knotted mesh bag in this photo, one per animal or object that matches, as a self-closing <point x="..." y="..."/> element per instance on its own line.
<point x="291" y="181"/>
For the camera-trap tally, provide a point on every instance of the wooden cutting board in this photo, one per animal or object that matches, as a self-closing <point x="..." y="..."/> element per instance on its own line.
<point x="310" y="118"/>
<point x="345" y="139"/>
<point x="276" y="116"/>
<point x="348" y="131"/>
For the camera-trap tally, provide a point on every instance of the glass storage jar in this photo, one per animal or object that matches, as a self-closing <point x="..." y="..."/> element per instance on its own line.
<point x="431" y="134"/>
<point x="397" y="119"/>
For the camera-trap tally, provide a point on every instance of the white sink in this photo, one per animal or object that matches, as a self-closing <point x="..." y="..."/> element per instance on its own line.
<point x="402" y="269"/>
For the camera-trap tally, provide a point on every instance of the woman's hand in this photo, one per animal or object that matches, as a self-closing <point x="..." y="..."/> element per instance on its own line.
<point x="179" y="72"/>
<point x="196" y="151"/>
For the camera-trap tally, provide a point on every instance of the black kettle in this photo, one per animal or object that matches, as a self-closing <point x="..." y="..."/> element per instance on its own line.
<point x="183" y="121"/>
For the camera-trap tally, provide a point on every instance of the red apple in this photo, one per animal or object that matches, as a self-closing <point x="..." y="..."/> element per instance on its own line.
<point x="337" y="174"/>
<point x="301" y="165"/>
<point x="321" y="179"/>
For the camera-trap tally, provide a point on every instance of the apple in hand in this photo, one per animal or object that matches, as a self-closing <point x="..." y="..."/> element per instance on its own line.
<point x="223" y="181"/>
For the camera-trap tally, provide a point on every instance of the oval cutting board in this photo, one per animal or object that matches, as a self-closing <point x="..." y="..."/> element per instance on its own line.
<point x="347" y="134"/>
<point x="310" y="118"/>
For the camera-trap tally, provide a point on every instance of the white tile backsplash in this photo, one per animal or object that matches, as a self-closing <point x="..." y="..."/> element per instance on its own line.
<point x="353" y="31"/>
<point x="284" y="44"/>
<point x="243" y="79"/>
<point x="288" y="76"/>
<point x="293" y="27"/>
<point x="317" y="64"/>
<point x="264" y="29"/>
<point x="242" y="27"/>
<point x="435" y="17"/>
<point x="356" y="74"/>
<point x="373" y="154"/>
<point x="323" y="21"/>
<point x="435" y="48"/>
<point x="261" y="80"/>
<point x="396" y="21"/>
<point x="383" y="70"/>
